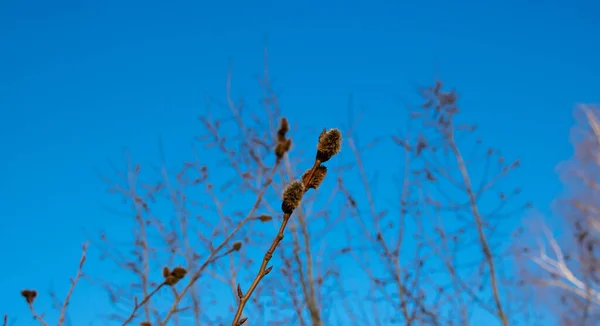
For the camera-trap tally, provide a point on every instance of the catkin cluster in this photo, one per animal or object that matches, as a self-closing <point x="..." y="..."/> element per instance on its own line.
<point x="174" y="276"/>
<point x="329" y="144"/>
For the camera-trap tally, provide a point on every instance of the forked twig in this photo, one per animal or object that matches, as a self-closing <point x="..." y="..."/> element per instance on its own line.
<point x="142" y="303"/>
<point x="30" y="295"/>
<point x="35" y="315"/>
<point x="214" y="253"/>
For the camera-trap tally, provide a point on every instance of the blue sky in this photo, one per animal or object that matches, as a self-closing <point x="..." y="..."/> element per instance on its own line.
<point x="80" y="80"/>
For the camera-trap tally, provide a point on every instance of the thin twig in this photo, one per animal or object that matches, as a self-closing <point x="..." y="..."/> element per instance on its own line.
<point x="35" y="315"/>
<point x="214" y="252"/>
<point x="63" y="311"/>
<point x="394" y="264"/>
<point x="139" y="305"/>
<point x="485" y="247"/>
<point x="306" y="283"/>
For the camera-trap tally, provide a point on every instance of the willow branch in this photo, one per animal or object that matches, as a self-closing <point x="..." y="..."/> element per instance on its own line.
<point x="263" y="270"/>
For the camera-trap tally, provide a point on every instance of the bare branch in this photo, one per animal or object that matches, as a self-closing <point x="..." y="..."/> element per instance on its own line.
<point x="214" y="254"/>
<point x="63" y="311"/>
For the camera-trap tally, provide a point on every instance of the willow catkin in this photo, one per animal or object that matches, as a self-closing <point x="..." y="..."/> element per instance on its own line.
<point x="292" y="196"/>
<point x="179" y="272"/>
<point x="330" y="143"/>
<point x="284" y="127"/>
<point x="176" y="275"/>
<point x="318" y="177"/>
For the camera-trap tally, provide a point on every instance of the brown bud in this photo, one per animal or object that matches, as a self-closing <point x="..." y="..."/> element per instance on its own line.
<point x="237" y="246"/>
<point x="29" y="295"/>
<point x="268" y="270"/>
<point x="239" y="291"/>
<point x="179" y="272"/>
<point x="265" y="218"/>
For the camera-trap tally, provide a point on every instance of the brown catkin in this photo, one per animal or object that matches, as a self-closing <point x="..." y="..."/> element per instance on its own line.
<point x="284" y="127"/>
<point x="175" y="276"/>
<point x="171" y="280"/>
<point x="292" y="196"/>
<point x="330" y="143"/>
<point x="317" y="178"/>
<point x="283" y="147"/>
<point x="29" y="295"/>
<point x="179" y="272"/>
<point x="279" y="150"/>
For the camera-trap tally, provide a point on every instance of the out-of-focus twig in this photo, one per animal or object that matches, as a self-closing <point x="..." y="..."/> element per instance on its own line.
<point x="63" y="311"/>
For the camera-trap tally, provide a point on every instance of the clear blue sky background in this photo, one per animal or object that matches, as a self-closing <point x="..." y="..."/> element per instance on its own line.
<point x="79" y="80"/>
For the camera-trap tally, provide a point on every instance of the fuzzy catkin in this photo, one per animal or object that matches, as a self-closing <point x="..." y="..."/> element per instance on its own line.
<point x="330" y="143"/>
<point x="317" y="178"/>
<point x="292" y="196"/>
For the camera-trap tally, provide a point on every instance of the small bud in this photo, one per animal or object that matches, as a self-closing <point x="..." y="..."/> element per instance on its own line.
<point x="243" y="320"/>
<point x="292" y="196"/>
<point x="330" y="143"/>
<point x="239" y="291"/>
<point x="317" y="178"/>
<point x="166" y="272"/>
<point x="145" y="323"/>
<point x="268" y="270"/>
<point x="265" y="218"/>
<point x="237" y="246"/>
<point x="179" y="272"/>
